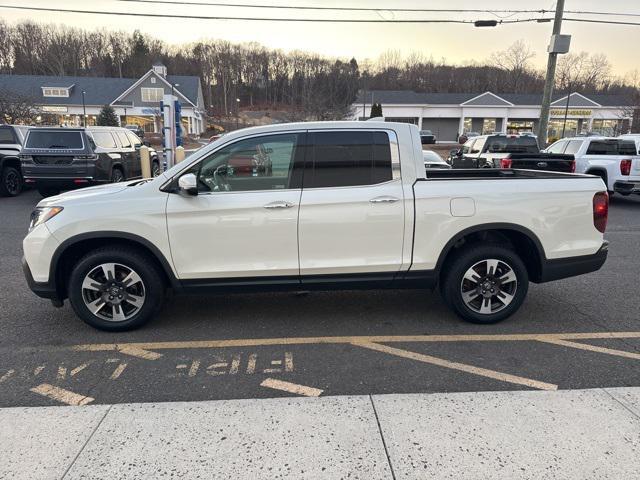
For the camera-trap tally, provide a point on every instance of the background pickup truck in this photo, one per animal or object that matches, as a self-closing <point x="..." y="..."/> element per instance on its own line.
<point x="615" y="160"/>
<point x="509" y="151"/>
<point x="11" y="141"/>
<point x="344" y="205"/>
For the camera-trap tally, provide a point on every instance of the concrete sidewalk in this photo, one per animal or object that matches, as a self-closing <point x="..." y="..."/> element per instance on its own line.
<point x="571" y="434"/>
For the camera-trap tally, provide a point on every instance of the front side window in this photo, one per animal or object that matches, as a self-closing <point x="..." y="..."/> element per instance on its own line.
<point x="124" y="140"/>
<point x="135" y="140"/>
<point x="572" y="147"/>
<point x="348" y="158"/>
<point x="152" y="95"/>
<point x="103" y="139"/>
<point x="258" y="163"/>
<point x="6" y="136"/>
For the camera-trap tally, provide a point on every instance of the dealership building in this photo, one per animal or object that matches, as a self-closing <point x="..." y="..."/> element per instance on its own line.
<point x="65" y="100"/>
<point x="449" y="115"/>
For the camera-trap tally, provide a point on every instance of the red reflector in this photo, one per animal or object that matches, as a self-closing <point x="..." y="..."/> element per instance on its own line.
<point x="625" y="166"/>
<point x="79" y="181"/>
<point x="506" y="163"/>
<point x="600" y="211"/>
<point x="29" y="180"/>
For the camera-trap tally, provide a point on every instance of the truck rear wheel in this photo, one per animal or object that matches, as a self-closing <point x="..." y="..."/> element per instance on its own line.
<point x="116" y="289"/>
<point x="485" y="283"/>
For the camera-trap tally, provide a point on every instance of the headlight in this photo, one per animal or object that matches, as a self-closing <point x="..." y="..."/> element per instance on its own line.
<point x="42" y="214"/>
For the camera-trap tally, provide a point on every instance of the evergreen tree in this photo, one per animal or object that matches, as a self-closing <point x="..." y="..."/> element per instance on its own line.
<point x="376" y="110"/>
<point x="108" y="117"/>
<point x="380" y="114"/>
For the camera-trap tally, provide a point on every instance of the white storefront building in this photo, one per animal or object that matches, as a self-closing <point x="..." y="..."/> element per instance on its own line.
<point x="449" y="115"/>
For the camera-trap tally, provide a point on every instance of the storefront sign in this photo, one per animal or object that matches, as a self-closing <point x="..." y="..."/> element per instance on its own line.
<point x="54" y="109"/>
<point x="571" y="113"/>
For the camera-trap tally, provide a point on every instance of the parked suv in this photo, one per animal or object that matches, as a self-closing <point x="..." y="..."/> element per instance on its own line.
<point x="615" y="160"/>
<point x="55" y="159"/>
<point x="11" y="141"/>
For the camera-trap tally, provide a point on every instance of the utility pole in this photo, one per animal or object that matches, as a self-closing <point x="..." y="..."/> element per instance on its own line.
<point x="543" y="124"/>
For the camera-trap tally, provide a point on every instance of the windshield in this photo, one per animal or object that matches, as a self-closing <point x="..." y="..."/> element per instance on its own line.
<point x="56" y="139"/>
<point x="512" y="145"/>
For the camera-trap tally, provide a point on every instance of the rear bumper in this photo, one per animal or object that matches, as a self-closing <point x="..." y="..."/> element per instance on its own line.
<point x="625" y="188"/>
<point x="573" y="266"/>
<point x="41" y="289"/>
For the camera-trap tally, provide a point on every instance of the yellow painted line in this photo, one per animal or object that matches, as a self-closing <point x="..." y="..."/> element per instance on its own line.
<point x="118" y="371"/>
<point x="135" y="351"/>
<point x="261" y="342"/>
<point x="291" y="387"/>
<point x="483" y="372"/>
<point x="593" y="348"/>
<point x="61" y="395"/>
<point x="7" y="375"/>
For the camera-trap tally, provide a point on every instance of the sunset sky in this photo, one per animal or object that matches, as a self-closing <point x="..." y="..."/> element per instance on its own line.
<point x="455" y="43"/>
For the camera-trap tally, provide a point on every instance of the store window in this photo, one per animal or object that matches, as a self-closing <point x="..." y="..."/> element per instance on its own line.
<point x="468" y="125"/>
<point x="488" y="126"/>
<point x="608" y="128"/>
<point x="55" y="92"/>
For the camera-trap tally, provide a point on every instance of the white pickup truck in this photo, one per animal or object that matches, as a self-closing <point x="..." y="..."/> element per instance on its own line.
<point x="329" y="205"/>
<point x="615" y="160"/>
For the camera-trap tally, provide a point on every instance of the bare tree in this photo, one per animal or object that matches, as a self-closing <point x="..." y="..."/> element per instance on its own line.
<point x="516" y="61"/>
<point x="17" y="108"/>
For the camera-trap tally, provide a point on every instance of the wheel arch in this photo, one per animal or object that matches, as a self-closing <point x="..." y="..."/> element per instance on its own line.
<point x="523" y="240"/>
<point x="600" y="172"/>
<point x="76" y="247"/>
<point x="11" y="161"/>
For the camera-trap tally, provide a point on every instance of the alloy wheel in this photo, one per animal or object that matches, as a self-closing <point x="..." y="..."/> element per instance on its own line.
<point x="488" y="286"/>
<point x="113" y="292"/>
<point x="12" y="182"/>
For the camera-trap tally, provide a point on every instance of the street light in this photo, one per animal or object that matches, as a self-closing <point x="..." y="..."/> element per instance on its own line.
<point x="84" y="111"/>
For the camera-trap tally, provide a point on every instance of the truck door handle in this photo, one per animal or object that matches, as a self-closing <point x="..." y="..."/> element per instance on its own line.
<point x="384" y="199"/>
<point x="278" y="205"/>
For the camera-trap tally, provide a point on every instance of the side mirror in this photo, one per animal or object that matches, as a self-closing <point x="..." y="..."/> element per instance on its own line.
<point x="188" y="184"/>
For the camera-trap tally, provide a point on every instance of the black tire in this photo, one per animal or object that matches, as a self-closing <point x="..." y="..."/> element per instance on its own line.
<point x="10" y="182"/>
<point x="151" y="287"/>
<point x="117" y="175"/>
<point x="453" y="283"/>
<point x="48" y="192"/>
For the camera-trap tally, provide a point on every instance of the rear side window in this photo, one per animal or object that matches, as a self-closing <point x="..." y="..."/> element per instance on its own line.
<point x="104" y="139"/>
<point x="512" y="145"/>
<point x="6" y="136"/>
<point x="124" y="140"/>
<point x="55" y="139"/>
<point x="611" y="147"/>
<point x="479" y="145"/>
<point x="558" y="147"/>
<point x="341" y="159"/>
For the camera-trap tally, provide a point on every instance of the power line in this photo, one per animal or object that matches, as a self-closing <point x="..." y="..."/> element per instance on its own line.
<point x="308" y="20"/>
<point x="373" y="9"/>
<point x="260" y="19"/>
<point x="352" y="9"/>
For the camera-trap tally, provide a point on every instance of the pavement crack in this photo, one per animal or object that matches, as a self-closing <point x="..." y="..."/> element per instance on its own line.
<point x="384" y="443"/>
<point x="86" y="443"/>
<point x="624" y="405"/>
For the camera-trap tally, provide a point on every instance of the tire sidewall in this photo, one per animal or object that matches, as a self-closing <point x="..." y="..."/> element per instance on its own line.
<point x="468" y="258"/>
<point x="151" y="277"/>
<point x="6" y="172"/>
<point x="115" y="172"/>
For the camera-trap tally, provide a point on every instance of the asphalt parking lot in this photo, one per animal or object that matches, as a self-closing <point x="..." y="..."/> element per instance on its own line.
<point x="577" y="333"/>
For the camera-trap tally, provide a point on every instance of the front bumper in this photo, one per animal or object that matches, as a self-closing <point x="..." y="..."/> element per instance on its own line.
<point x="41" y="289"/>
<point x="557" y="269"/>
<point x="625" y="188"/>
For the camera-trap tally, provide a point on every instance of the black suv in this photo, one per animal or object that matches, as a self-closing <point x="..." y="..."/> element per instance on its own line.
<point x="56" y="158"/>
<point x="11" y="141"/>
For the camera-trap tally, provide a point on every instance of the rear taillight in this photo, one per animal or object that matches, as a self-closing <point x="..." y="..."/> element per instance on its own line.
<point x="572" y="167"/>
<point x="506" y="162"/>
<point x="625" y="166"/>
<point x="600" y="211"/>
<point x="86" y="157"/>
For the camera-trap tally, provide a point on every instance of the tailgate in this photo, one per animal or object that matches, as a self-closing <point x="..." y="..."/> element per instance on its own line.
<point x="548" y="162"/>
<point x="51" y="165"/>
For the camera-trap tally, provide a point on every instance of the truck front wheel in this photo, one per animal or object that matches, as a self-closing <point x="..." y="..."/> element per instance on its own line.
<point x="116" y="289"/>
<point x="485" y="283"/>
